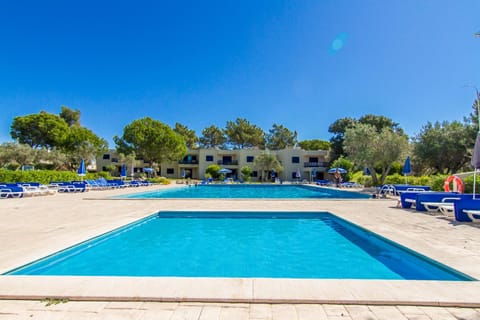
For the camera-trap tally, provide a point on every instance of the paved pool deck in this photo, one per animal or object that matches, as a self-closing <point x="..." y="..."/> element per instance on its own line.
<point x="32" y="228"/>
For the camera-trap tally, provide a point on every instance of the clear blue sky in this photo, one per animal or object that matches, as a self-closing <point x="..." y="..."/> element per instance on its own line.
<point x="302" y="64"/>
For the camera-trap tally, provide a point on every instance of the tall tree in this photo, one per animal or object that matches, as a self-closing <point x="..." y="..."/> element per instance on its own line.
<point x="380" y="122"/>
<point x="340" y="126"/>
<point x="16" y="155"/>
<point x="71" y="117"/>
<point x="188" y="135"/>
<point x="267" y="162"/>
<point x="314" y="144"/>
<point x="151" y="140"/>
<point x="338" y="129"/>
<point x="280" y="137"/>
<point x="443" y="147"/>
<point x="241" y="134"/>
<point x="82" y="143"/>
<point x="368" y="148"/>
<point x="212" y="137"/>
<point x="41" y="130"/>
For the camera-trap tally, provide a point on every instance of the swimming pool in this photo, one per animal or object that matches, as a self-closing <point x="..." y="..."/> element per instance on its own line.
<point x="242" y="244"/>
<point x="248" y="191"/>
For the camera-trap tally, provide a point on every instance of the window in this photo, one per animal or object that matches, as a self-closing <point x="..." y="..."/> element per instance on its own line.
<point x="114" y="160"/>
<point x="209" y="158"/>
<point x="249" y="158"/>
<point x="295" y="159"/>
<point x="254" y="174"/>
<point x="106" y="156"/>
<point x="170" y="171"/>
<point x="104" y="168"/>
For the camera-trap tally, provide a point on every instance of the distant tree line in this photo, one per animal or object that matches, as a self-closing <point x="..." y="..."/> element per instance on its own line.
<point x="371" y="142"/>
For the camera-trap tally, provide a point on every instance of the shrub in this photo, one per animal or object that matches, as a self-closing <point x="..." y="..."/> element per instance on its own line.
<point x="213" y="170"/>
<point x="246" y="173"/>
<point x="43" y="176"/>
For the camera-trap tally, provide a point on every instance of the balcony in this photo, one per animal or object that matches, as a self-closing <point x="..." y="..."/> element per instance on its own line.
<point x="315" y="164"/>
<point x="188" y="162"/>
<point x="228" y="163"/>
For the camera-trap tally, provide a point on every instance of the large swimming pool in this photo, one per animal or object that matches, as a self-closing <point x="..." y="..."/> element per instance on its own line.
<point x="242" y="244"/>
<point x="248" y="191"/>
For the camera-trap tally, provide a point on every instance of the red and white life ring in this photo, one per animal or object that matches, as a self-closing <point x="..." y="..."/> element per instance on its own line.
<point x="456" y="182"/>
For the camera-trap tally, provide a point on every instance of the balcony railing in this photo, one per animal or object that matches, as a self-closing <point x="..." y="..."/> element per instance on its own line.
<point x="315" y="164"/>
<point x="188" y="162"/>
<point x="228" y="163"/>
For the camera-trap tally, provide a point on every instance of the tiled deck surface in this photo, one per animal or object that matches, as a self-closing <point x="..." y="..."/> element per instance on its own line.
<point x="34" y="227"/>
<point x="13" y="310"/>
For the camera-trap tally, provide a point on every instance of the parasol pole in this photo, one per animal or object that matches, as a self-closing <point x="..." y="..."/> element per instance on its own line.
<point x="478" y="133"/>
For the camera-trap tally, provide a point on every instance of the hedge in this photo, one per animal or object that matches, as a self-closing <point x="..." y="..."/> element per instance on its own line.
<point x="45" y="176"/>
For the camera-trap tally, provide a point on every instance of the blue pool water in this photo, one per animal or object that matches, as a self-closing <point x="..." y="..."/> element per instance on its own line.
<point x="250" y="191"/>
<point x="242" y="244"/>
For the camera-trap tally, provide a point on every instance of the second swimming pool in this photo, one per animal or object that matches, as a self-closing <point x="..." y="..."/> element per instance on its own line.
<point x="248" y="191"/>
<point x="242" y="244"/>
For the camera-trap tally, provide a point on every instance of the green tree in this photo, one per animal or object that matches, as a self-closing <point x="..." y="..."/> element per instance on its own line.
<point x="14" y="155"/>
<point x="340" y="126"/>
<point x="368" y="148"/>
<point x="380" y="122"/>
<point x="443" y="147"/>
<point x="188" y="135"/>
<point x="338" y="129"/>
<point x="54" y="159"/>
<point x="82" y="143"/>
<point x="241" y="134"/>
<point x="71" y="117"/>
<point x="42" y="130"/>
<point x="246" y="172"/>
<point x="314" y="144"/>
<point x="151" y="140"/>
<point x="212" y="170"/>
<point x="345" y="164"/>
<point x="267" y="162"/>
<point x="212" y="137"/>
<point x="279" y="138"/>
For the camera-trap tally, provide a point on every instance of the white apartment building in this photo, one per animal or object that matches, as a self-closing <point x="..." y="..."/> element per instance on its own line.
<point x="311" y="165"/>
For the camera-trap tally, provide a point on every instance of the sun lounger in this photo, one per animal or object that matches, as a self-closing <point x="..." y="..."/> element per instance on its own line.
<point x="474" y="215"/>
<point x="10" y="190"/>
<point x="324" y="182"/>
<point x="36" y="189"/>
<point x="400" y="188"/>
<point x="467" y="209"/>
<point x="69" y="187"/>
<point x="434" y="197"/>
<point x="435" y="207"/>
<point x="448" y="210"/>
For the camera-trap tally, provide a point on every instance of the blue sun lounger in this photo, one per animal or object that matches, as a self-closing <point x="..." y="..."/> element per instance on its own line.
<point x="467" y="210"/>
<point x="11" y="190"/>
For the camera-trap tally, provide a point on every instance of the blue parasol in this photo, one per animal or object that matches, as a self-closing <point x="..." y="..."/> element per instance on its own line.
<point x="81" y="169"/>
<point x="123" y="171"/>
<point x="406" y="169"/>
<point x="339" y="170"/>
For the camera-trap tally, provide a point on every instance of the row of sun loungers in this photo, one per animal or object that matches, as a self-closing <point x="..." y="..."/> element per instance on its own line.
<point x="457" y="206"/>
<point x="23" y="189"/>
<point x="328" y="183"/>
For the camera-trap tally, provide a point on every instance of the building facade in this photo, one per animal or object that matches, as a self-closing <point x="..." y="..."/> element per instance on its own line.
<point x="297" y="164"/>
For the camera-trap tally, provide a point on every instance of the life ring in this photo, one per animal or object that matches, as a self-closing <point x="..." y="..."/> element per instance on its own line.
<point x="456" y="181"/>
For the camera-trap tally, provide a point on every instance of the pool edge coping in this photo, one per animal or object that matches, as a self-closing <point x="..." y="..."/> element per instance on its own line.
<point x="242" y="290"/>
